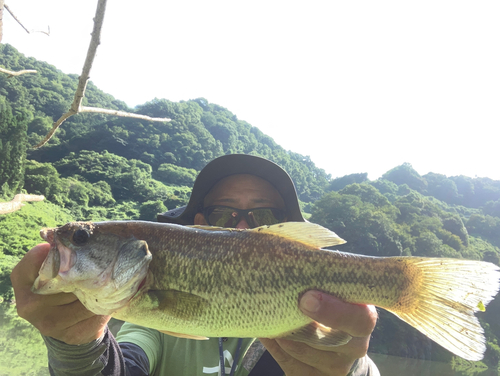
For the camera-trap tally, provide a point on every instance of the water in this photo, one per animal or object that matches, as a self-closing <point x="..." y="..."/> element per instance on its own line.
<point x="396" y="366"/>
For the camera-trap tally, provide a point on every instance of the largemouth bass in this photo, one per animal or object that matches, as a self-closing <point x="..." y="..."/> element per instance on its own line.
<point x="199" y="281"/>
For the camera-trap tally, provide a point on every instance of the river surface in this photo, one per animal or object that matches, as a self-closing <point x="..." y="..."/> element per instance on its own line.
<point x="396" y="366"/>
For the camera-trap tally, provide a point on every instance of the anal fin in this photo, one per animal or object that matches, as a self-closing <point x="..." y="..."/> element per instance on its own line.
<point x="316" y="334"/>
<point x="181" y="335"/>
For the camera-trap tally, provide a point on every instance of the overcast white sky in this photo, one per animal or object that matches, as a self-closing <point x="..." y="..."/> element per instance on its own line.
<point x="359" y="86"/>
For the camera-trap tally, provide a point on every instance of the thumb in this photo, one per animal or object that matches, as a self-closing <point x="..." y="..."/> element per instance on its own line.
<point x="27" y="269"/>
<point x="356" y="319"/>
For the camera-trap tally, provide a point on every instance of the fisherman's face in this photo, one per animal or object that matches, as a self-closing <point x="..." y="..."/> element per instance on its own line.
<point x="242" y="191"/>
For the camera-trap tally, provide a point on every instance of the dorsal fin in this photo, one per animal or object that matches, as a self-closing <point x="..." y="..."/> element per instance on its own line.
<point x="304" y="232"/>
<point x="307" y="233"/>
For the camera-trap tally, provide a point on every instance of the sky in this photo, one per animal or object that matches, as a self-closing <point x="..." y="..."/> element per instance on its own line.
<point x="359" y="86"/>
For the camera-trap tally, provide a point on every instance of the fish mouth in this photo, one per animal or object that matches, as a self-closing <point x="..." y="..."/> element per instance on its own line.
<point x="59" y="260"/>
<point x="50" y="266"/>
<point x="52" y="263"/>
<point x="142" y="284"/>
<point x="48" y="234"/>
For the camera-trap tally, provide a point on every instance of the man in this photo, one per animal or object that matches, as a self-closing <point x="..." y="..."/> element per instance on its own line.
<point x="238" y="191"/>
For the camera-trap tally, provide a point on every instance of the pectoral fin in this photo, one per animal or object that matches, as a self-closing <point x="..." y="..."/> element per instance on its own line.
<point x="180" y="304"/>
<point x="316" y="334"/>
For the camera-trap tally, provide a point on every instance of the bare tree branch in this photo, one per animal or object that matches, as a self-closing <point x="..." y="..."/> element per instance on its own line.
<point x="47" y="33"/>
<point x="3" y="70"/>
<point x="76" y="106"/>
<point x="120" y="113"/>
<point x="94" y="110"/>
<point x="17" y="202"/>
<point x="13" y="15"/>
<point x="12" y="73"/>
<point x="2" y="4"/>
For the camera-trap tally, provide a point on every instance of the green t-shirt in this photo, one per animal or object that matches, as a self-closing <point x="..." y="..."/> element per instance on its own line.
<point x="173" y="356"/>
<point x="180" y="356"/>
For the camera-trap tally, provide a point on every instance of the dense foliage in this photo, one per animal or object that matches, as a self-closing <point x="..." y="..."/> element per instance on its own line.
<point x="99" y="167"/>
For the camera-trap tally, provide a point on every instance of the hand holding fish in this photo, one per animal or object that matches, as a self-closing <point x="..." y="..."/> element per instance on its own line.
<point x="297" y="358"/>
<point x="61" y="316"/>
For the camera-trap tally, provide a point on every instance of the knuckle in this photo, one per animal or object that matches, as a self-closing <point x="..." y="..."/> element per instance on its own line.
<point x="365" y="324"/>
<point x="295" y="350"/>
<point x="25" y="311"/>
<point x="360" y="349"/>
<point x="47" y="324"/>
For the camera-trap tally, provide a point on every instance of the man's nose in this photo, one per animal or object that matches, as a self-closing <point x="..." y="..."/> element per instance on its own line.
<point x="242" y="224"/>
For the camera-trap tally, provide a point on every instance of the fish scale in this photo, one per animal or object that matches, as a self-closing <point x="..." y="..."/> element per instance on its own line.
<point x="197" y="281"/>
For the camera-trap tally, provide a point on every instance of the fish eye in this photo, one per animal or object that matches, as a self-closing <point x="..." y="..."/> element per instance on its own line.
<point x="81" y="236"/>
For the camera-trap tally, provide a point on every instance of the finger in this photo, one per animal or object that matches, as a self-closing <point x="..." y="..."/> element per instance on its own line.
<point x="289" y="365"/>
<point x="24" y="274"/>
<point x="26" y="271"/>
<point x="62" y="317"/>
<point x="327" y="362"/>
<point x="356" y="319"/>
<point x="83" y="331"/>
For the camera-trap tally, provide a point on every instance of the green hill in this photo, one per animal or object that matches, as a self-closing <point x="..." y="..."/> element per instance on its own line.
<point x="100" y="167"/>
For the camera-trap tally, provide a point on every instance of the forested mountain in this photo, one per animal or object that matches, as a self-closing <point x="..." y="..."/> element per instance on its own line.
<point x="99" y="167"/>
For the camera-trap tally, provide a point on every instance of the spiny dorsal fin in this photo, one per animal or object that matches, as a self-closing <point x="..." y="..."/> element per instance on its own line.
<point x="307" y="233"/>
<point x="304" y="232"/>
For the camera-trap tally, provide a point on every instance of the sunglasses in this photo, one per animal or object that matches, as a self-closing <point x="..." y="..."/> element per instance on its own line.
<point x="225" y="216"/>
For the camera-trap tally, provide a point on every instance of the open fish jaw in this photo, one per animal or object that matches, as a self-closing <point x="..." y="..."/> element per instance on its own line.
<point x="104" y="278"/>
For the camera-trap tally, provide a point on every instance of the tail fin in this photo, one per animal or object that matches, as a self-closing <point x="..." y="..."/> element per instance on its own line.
<point x="451" y="291"/>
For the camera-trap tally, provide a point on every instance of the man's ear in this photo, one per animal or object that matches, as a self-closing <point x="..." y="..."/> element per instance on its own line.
<point x="199" y="219"/>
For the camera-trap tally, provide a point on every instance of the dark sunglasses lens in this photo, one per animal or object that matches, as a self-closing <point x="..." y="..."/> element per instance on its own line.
<point x="265" y="216"/>
<point x="222" y="217"/>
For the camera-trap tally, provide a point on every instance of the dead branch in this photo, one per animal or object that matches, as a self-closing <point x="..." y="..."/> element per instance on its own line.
<point x="2" y="4"/>
<point x="76" y="106"/>
<point x="3" y="70"/>
<point x="14" y="16"/>
<point x="47" y="33"/>
<point x="12" y="73"/>
<point x="17" y="202"/>
<point x="120" y="113"/>
<point x="96" y="110"/>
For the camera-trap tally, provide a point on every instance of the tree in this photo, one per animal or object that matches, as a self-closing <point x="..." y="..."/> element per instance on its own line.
<point x="150" y="209"/>
<point x="441" y="187"/>
<point x="367" y="193"/>
<point x="339" y="183"/>
<point x="367" y="229"/>
<point x="492" y="208"/>
<point x="405" y="174"/>
<point x="172" y="174"/>
<point x="454" y="225"/>
<point x="13" y="143"/>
